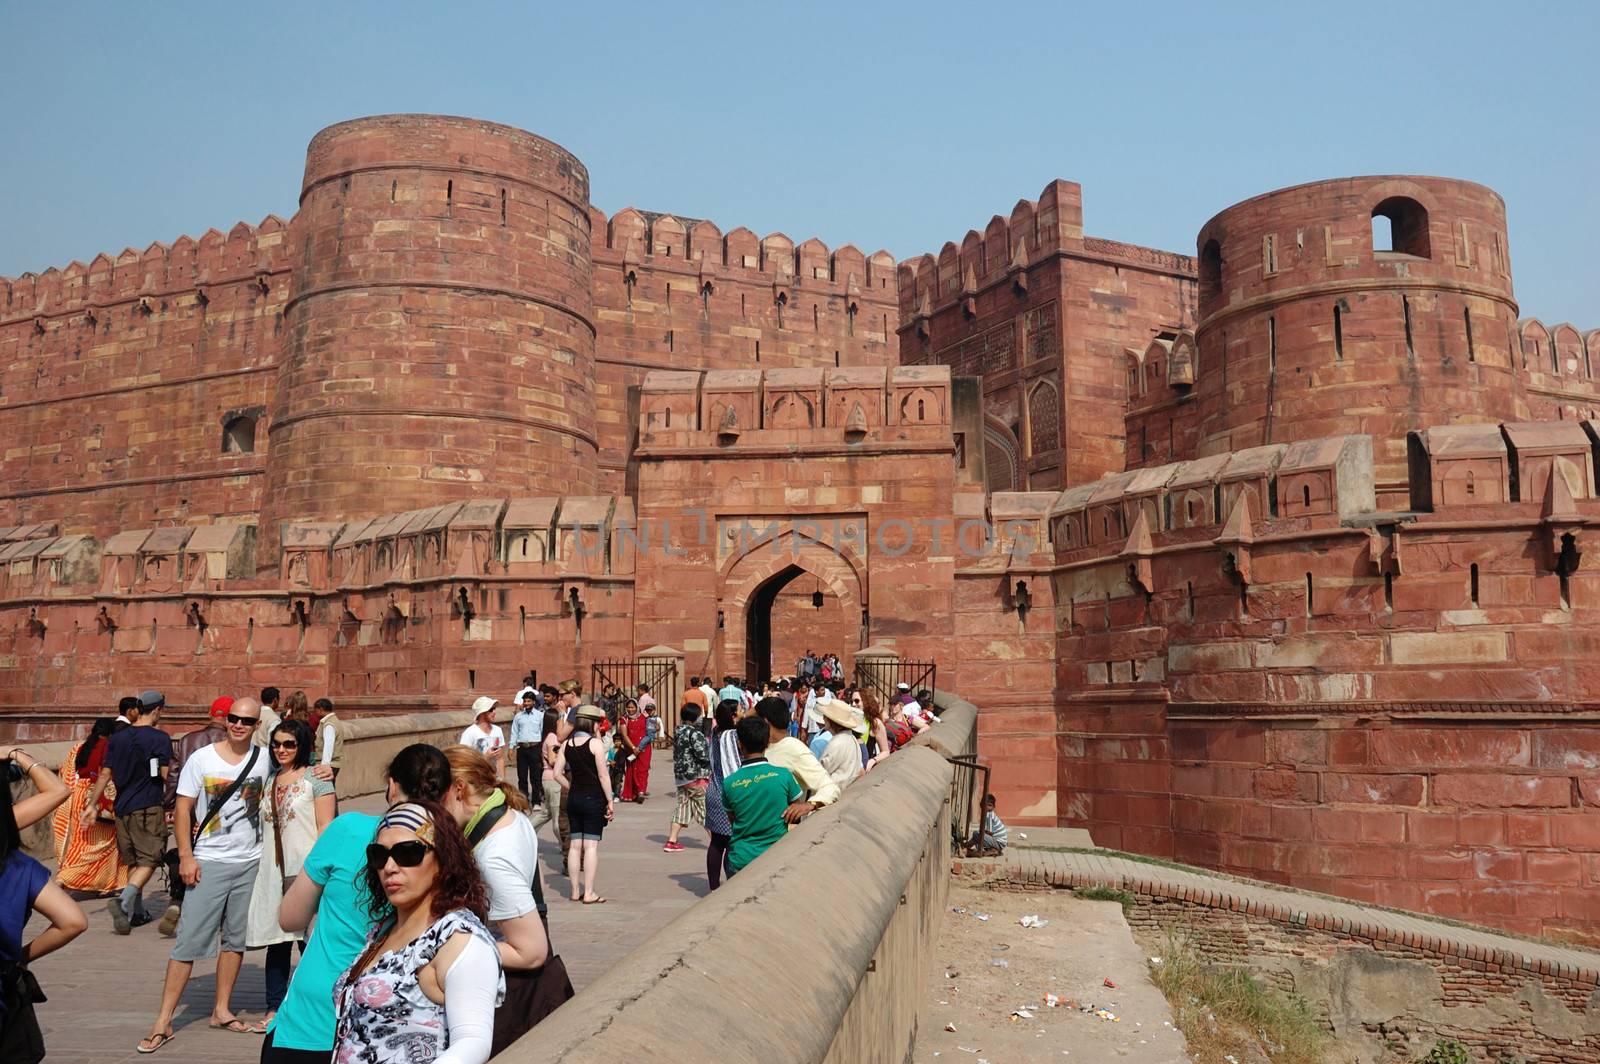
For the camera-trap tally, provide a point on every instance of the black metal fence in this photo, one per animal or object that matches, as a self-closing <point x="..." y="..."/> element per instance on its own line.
<point x="884" y="676"/>
<point x="661" y="676"/>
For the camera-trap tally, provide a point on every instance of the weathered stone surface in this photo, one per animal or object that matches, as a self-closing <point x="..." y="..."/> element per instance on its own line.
<point x="1242" y="554"/>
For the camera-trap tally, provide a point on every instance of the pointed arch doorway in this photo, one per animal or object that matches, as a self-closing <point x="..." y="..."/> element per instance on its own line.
<point x="770" y="599"/>
<point x="791" y="613"/>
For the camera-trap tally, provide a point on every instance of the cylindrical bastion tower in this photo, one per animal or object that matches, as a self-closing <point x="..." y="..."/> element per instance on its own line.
<point x="1314" y="321"/>
<point x="440" y="339"/>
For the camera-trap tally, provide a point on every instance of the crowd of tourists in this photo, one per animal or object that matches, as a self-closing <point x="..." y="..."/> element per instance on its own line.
<point x="423" y="932"/>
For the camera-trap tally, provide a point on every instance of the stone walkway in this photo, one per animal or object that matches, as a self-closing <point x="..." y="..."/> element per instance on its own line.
<point x="104" y="989"/>
<point x="1474" y="947"/>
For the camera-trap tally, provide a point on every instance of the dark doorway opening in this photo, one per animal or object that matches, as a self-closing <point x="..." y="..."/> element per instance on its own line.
<point x="758" y="625"/>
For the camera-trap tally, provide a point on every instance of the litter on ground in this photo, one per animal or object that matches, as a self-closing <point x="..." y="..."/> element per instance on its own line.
<point x="1032" y="921"/>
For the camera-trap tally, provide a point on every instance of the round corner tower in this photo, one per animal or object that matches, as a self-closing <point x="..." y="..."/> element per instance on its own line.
<point x="1370" y="305"/>
<point x="440" y="338"/>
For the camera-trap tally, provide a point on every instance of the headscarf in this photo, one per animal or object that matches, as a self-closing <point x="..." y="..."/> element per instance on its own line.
<point x="412" y="817"/>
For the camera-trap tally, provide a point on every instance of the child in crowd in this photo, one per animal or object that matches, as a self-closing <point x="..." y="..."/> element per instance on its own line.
<point x="756" y="795"/>
<point x="990" y="838"/>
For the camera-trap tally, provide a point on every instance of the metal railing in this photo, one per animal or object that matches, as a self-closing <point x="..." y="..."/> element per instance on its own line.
<point x="884" y="676"/>
<point x="627" y="674"/>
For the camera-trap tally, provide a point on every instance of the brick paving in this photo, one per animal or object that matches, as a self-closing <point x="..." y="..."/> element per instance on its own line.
<point x="1472" y="947"/>
<point x="104" y="989"/>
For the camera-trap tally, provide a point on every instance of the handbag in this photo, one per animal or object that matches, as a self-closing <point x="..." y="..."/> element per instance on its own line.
<point x="530" y="995"/>
<point x="284" y="881"/>
<point x="21" y="1040"/>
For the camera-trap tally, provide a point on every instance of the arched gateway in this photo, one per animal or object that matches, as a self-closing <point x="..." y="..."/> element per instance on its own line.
<point x="767" y="533"/>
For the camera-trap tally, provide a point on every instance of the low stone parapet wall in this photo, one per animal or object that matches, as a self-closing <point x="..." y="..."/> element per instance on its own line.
<point x="815" y="952"/>
<point x="370" y="744"/>
<point x="1391" y="982"/>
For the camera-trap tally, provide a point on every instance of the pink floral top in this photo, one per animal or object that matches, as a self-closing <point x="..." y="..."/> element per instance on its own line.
<point x="384" y="1017"/>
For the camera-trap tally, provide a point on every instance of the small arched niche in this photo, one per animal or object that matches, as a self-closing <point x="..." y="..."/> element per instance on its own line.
<point x="1400" y="227"/>
<point x="239" y="432"/>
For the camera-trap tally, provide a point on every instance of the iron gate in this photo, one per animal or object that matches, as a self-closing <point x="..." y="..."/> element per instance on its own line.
<point x="885" y="676"/>
<point x="660" y="674"/>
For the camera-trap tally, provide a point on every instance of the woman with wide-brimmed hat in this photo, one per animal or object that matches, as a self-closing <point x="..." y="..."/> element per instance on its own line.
<point x="580" y="770"/>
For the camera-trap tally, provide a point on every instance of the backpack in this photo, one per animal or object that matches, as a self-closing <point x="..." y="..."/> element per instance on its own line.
<point x="900" y="732"/>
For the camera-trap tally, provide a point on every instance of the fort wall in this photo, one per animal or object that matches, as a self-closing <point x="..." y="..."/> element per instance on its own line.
<point x="440" y="327"/>
<point x="1298" y="589"/>
<point x="677" y="294"/>
<point x="1258" y="671"/>
<point x="402" y="612"/>
<point x="120" y="379"/>
<point x="1311" y="324"/>
<point x="1042" y="313"/>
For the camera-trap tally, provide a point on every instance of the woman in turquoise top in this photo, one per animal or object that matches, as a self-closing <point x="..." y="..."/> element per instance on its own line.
<point x="332" y="887"/>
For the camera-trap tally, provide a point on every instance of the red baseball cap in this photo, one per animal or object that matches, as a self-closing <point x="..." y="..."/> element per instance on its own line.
<point x="220" y="707"/>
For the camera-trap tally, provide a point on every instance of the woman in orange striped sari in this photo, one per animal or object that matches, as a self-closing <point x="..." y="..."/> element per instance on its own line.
<point x="87" y="858"/>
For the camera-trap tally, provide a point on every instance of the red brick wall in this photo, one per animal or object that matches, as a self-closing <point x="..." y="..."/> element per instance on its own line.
<point x="116" y="378"/>
<point x="1043" y="313"/>
<point x="441" y="336"/>
<point x="679" y="295"/>
<point x="1413" y="732"/>
<point x="436" y="607"/>
<point x="1273" y="366"/>
<point x="798" y="626"/>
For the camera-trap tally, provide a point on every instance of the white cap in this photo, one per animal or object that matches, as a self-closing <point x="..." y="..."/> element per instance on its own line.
<point x="483" y="704"/>
<point x="902" y="686"/>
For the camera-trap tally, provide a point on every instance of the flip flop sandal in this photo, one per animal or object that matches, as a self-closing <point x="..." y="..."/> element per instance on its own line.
<point x="159" y="1039"/>
<point x="234" y="1026"/>
<point x="594" y="901"/>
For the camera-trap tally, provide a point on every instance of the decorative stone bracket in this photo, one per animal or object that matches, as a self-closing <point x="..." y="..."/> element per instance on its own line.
<point x="1235" y="541"/>
<point x="1137" y="553"/>
<point x="1563" y="525"/>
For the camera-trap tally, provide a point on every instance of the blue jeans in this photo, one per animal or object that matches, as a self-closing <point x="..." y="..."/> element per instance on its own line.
<point x="277" y="972"/>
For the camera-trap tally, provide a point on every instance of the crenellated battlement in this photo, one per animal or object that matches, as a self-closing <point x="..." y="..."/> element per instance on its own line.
<point x="1007" y="247"/>
<point x="245" y="253"/>
<point x="694" y="246"/>
<point x="564" y="537"/>
<point x="1034" y="230"/>
<point x="795" y="407"/>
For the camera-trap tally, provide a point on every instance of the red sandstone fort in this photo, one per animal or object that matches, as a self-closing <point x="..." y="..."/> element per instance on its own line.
<point x="1268" y="560"/>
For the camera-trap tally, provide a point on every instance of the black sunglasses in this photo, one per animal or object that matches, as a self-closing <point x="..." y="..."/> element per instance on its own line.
<point x="234" y="718"/>
<point x="286" y="744"/>
<point x="406" y="854"/>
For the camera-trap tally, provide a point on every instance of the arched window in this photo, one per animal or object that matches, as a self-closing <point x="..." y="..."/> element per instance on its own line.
<point x="1000" y="460"/>
<point x="1044" y="419"/>
<point x="1400" y="226"/>
<point x="239" y="434"/>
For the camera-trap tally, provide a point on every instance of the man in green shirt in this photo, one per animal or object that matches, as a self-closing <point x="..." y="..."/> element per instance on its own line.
<point x="755" y="796"/>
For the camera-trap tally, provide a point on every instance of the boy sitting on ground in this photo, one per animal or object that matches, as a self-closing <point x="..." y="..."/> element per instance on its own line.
<point x="990" y="838"/>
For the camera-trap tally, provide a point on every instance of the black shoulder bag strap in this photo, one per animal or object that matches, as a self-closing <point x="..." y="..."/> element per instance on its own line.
<point x="213" y="808"/>
<point x="480" y="831"/>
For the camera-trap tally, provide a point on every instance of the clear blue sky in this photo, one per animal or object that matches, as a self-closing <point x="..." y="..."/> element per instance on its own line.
<point x="896" y="126"/>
